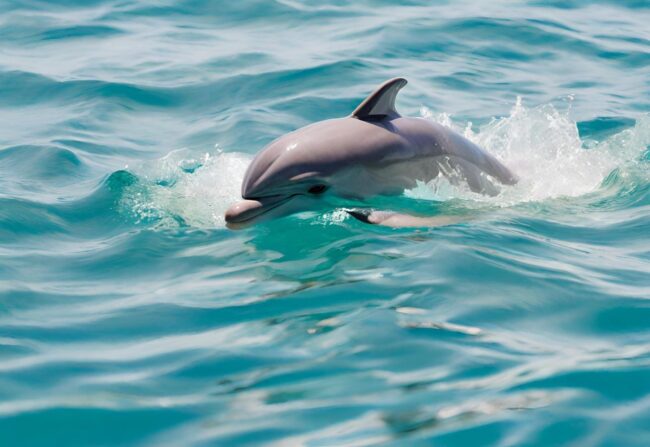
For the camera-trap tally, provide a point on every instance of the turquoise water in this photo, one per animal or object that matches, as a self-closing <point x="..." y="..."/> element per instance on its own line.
<point x="130" y="316"/>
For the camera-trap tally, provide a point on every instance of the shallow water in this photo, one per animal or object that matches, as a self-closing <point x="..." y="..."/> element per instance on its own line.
<point x="130" y="316"/>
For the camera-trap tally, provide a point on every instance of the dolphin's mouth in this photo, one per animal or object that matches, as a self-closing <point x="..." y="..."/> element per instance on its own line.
<point x="245" y="212"/>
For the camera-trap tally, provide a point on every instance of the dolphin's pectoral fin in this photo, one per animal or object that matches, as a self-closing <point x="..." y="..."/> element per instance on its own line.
<point x="360" y="214"/>
<point x="381" y="103"/>
<point x="398" y="220"/>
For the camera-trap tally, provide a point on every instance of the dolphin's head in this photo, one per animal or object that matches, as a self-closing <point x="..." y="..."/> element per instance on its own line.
<point x="299" y="170"/>
<point x="289" y="175"/>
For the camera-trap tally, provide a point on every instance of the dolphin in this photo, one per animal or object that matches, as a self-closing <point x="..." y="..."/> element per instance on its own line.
<point x="374" y="151"/>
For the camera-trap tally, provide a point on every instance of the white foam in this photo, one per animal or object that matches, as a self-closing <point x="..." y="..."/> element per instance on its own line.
<point x="542" y="146"/>
<point x="181" y="188"/>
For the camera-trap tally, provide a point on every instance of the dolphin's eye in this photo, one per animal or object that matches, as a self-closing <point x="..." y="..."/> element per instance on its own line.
<point x="317" y="189"/>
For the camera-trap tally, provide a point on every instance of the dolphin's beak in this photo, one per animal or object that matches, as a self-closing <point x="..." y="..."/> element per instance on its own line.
<point x="244" y="213"/>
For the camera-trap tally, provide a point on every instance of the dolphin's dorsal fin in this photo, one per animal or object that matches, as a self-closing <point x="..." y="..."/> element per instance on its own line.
<point x="381" y="103"/>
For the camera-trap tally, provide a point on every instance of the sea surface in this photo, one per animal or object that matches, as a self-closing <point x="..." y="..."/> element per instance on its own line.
<point x="130" y="316"/>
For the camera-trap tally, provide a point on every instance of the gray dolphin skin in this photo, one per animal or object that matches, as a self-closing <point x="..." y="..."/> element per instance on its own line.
<point x="374" y="151"/>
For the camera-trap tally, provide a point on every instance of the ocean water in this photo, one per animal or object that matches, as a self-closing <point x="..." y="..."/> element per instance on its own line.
<point x="129" y="315"/>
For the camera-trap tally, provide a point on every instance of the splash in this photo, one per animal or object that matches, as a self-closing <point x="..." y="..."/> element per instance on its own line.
<point x="543" y="147"/>
<point x="181" y="190"/>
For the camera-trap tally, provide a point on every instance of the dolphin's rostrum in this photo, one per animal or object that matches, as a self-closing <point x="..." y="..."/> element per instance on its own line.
<point x="373" y="151"/>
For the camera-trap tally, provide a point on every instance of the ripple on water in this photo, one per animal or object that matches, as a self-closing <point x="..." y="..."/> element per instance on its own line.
<point x="124" y="302"/>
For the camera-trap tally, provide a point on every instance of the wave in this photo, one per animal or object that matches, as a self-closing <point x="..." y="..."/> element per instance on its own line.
<point x="123" y="301"/>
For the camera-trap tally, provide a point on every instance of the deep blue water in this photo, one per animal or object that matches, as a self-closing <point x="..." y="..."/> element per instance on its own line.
<point x="129" y="315"/>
